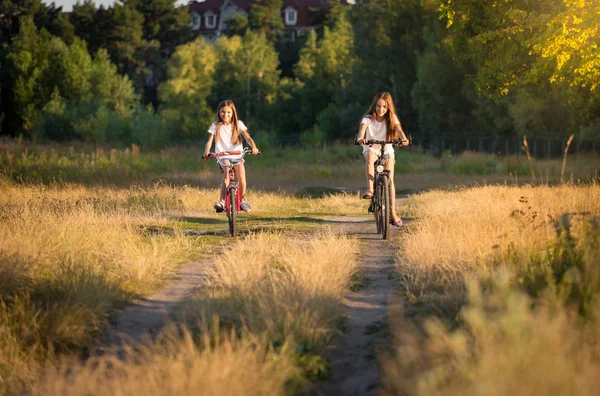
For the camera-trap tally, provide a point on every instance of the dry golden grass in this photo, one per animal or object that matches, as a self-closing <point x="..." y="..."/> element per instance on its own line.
<point x="287" y="288"/>
<point x="218" y="365"/>
<point x="529" y="260"/>
<point x="472" y="230"/>
<point x="503" y="348"/>
<point x="69" y="255"/>
<point x="280" y="297"/>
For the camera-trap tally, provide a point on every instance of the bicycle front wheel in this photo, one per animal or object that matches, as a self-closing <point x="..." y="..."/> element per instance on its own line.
<point x="377" y="203"/>
<point x="386" y="207"/>
<point x="232" y="212"/>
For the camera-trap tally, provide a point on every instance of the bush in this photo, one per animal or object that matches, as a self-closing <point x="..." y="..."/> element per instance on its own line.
<point x="150" y="130"/>
<point x="313" y="138"/>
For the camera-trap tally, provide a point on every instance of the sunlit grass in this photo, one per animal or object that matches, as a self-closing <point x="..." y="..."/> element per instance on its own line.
<point x="506" y="345"/>
<point x="289" y="288"/>
<point x="178" y="364"/>
<point x="269" y="306"/>
<point x="472" y="230"/>
<point x="512" y="277"/>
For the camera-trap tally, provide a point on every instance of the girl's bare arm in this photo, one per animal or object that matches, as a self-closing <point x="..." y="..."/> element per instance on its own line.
<point x="208" y="144"/>
<point x="250" y="141"/>
<point x="398" y="127"/>
<point x="361" y="133"/>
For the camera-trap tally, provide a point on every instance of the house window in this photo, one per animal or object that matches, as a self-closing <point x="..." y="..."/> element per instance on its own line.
<point x="195" y="21"/>
<point x="210" y="20"/>
<point x="291" y="16"/>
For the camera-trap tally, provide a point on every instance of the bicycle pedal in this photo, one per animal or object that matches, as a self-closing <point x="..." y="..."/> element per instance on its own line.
<point x="371" y="208"/>
<point x="220" y="210"/>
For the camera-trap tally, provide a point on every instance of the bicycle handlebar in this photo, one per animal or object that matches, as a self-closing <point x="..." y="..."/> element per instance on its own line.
<point x="395" y="142"/>
<point x="227" y="153"/>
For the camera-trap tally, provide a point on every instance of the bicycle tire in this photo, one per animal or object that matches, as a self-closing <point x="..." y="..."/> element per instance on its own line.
<point x="386" y="208"/>
<point x="232" y="212"/>
<point x="377" y="203"/>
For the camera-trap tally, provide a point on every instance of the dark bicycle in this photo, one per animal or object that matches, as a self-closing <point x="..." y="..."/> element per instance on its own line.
<point x="381" y="202"/>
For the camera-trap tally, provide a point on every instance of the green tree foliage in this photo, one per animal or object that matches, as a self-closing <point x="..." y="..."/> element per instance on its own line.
<point x="83" y="18"/>
<point x="27" y="63"/>
<point x="437" y="95"/>
<point x="265" y="18"/>
<point x="165" y="22"/>
<point x="388" y="37"/>
<point x="247" y="74"/>
<point x="322" y="74"/>
<point x="165" y="27"/>
<point x="521" y="51"/>
<point x="46" y="70"/>
<point x="190" y="82"/>
<point x="125" y="42"/>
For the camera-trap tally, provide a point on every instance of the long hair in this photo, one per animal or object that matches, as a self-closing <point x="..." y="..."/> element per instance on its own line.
<point x="389" y="115"/>
<point x="235" y="135"/>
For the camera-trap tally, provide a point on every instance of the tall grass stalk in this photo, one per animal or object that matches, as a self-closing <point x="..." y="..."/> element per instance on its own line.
<point x="529" y="158"/>
<point x="271" y="301"/>
<point x="564" y="163"/>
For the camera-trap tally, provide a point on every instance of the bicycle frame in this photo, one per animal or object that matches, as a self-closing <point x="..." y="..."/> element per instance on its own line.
<point x="233" y="200"/>
<point x="232" y="186"/>
<point x="381" y="202"/>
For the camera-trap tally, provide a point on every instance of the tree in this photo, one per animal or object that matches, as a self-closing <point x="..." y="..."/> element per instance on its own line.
<point x="323" y="73"/>
<point x="83" y="18"/>
<point x="126" y="45"/>
<point x="190" y="82"/>
<point x="388" y="37"/>
<point x="166" y="23"/>
<point x="265" y="18"/>
<point x="521" y="50"/>
<point x="26" y="63"/>
<point x="247" y="73"/>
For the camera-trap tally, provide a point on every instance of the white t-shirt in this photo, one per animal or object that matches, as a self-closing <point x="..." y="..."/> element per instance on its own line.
<point x="225" y="133"/>
<point x="378" y="131"/>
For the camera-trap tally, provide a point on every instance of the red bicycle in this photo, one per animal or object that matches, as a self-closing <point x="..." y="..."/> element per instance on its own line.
<point x="233" y="199"/>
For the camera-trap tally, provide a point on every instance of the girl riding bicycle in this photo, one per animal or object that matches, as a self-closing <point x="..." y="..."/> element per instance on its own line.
<point x="380" y="122"/>
<point x="226" y="131"/>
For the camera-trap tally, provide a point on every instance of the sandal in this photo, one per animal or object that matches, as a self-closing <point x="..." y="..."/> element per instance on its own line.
<point x="368" y="195"/>
<point x="397" y="223"/>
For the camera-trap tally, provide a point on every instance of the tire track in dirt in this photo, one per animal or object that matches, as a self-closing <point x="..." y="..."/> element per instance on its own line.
<point x="352" y="357"/>
<point x="145" y="317"/>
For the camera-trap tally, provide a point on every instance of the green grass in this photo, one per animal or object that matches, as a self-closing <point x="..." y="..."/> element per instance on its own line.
<point x="30" y="163"/>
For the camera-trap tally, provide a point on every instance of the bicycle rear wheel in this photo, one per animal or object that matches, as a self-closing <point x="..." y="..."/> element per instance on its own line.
<point x="232" y="212"/>
<point x="386" y="206"/>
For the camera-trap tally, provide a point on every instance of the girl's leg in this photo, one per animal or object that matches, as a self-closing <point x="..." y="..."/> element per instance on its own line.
<point x="241" y="173"/>
<point x="225" y="182"/>
<point x="390" y="166"/>
<point x="370" y="159"/>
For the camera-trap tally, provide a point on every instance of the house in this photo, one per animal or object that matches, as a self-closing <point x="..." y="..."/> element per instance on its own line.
<point x="210" y="17"/>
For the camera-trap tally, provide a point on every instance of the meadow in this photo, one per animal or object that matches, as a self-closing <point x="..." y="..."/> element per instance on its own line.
<point x="485" y="270"/>
<point x="502" y="288"/>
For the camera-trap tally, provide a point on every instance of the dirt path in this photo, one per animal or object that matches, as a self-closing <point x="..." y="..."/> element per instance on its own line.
<point x="353" y="355"/>
<point x="146" y="316"/>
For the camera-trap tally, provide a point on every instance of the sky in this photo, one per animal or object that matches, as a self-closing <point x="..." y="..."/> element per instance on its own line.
<point x="67" y="5"/>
